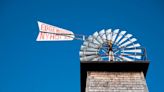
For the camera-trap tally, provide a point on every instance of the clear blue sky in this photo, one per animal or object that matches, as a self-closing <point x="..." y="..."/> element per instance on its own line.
<point x="30" y="66"/>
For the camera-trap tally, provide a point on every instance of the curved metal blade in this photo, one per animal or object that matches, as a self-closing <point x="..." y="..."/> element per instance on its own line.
<point x="83" y="53"/>
<point x="134" y="46"/>
<point x="128" y="42"/>
<point x="87" y="58"/>
<point x="138" y="57"/>
<point x="97" y="37"/>
<point x="120" y="36"/>
<point x="91" y="45"/>
<point x="125" y="58"/>
<point x="84" y="48"/>
<point x="135" y="51"/>
<point x="96" y="59"/>
<point x="102" y="32"/>
<point x="100" y="39"/>
<point x="125" y="38"/>
<point x="95" y="34"/>
<point x="92" y="39"/>
<point x="109" y="34"/>
<point x="102" y="35"/>
<point x="131" y="55"/>
<point x="114" y="34"/>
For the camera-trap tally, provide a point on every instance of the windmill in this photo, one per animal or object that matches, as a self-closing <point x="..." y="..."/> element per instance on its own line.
<point x="105" y="56"/>
<point x="105" y="45"/>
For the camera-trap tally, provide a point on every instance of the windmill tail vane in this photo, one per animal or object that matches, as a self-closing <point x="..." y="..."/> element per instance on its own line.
<point x="52" y="33"/>
<point x="105" y="45"/>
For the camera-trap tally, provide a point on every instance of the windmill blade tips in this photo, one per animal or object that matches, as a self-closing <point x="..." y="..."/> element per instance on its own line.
<point x="87" y="58"/>
<point x="134" y="46"/>
<point x="116" y="30"/>
<point x="80" y="53"/>
<point x="134" y="51"/>
<point x="95" y="34"/>
<point x="129" y="35"/>
<point x="102" y="31"/>
<point x="109" y="31"/>
<point x="126" y="58"/>
<point x="82" y="47"/>
<point x="95" y="59"/>
<point x="82" y="59"/>
<point x="85" y="43"/>
<point x="133" y="39"/>
<point x="114" y="34"/>
<point x="90" y="38"/>
<point x="123" y="32"/>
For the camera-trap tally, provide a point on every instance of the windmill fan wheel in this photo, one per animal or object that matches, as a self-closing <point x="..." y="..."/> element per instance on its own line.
<point x="108" y="45"/>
